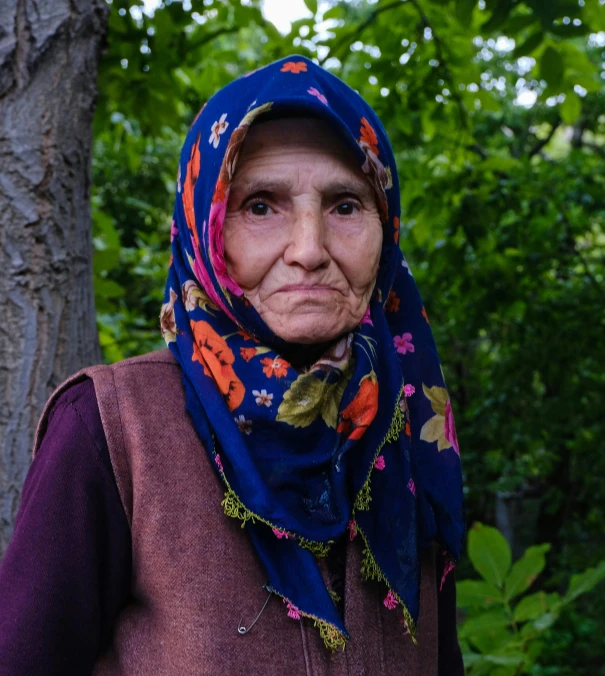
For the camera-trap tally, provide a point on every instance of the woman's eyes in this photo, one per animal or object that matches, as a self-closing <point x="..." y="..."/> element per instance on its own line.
<point x="347" y="208"/>
<point x="258" y="208"/>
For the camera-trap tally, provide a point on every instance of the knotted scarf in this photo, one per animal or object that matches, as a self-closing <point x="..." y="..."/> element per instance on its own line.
<point x="362" y="442"/>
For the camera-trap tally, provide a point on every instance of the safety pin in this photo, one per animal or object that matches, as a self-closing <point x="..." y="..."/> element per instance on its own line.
<point x="244" y="630"/>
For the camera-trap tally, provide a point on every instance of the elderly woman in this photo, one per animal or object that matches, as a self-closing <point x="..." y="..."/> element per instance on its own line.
<point x="278" y="492"/>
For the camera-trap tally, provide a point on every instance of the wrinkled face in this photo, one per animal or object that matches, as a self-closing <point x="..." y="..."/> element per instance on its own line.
<point x="302" y="231"/>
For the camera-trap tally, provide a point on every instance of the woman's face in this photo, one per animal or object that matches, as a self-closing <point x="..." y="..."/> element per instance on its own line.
<point x="302" y="231"/>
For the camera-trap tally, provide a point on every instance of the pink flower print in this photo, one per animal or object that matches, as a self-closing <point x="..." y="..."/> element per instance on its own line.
<point x="412" y="487"/>
<point x="315" y="92"/>
<point x="174" y="231"/>
<point x="390" y="601"/>
<point x="403" y="343"/>
<point x="218" y="128"/>
<point x="409" y="390"/>
<point x="279" y="534"/>
<point x="449" y="429"/>
<point x="448" y="566"/>
<point x="293" y="611"/>
<point x="263" y="398"/>
<point x="219" y="464"/>
<point x="352" y="526"/>
<point x="379" y="463"/>
<point x="367" y="318"/>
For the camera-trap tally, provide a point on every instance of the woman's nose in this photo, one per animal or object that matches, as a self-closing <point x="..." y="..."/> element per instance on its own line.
<point x="307" y="246"/>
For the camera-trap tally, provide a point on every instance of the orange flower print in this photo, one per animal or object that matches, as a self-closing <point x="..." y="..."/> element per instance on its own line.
<point x="213" y="353"/>
<point x="396" y="230"/>
<point x="392" y="304"/>
<point x="368" y="135"/>
<point x="358" y="415"/>
<point x="274" y="367"/>
<point x="295" y="67"/>
<point x="247" y="336"/>
<point x="193" y="171"/>
<point x="247" y="353"/>
<point x="424" y="314"/>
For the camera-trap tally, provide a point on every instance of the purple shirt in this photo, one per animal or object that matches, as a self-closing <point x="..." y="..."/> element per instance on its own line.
<point x="66" y="573"/>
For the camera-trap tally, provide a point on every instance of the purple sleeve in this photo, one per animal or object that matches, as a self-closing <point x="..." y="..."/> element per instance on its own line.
<point x="450" y="656"/>
<point x="66" y="572"/>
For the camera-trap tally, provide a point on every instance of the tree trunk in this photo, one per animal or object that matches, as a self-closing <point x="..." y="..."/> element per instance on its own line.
<point x="49" y="52"/>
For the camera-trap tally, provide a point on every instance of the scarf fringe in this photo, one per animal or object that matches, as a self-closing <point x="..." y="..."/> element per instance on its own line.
<point x="332" y="637"/>
<point x="235" y="508"/>
<point x="370" y="570"/>
<point x="397" y="426"/>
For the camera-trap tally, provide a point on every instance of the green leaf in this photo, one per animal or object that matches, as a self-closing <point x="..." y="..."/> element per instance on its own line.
<point x="310" y="396"/>
<point x="531" y="607"/>
<point x="488" y="623"/>
<point x="335" y="12"/>
<point x="584" y="582"/>
<point x="492" y="641"/>
<point x="570" y="31"/>
<point x="107" y="288"/>
<point x="552" y="67"/>
<point x="571" y="108"/>
<point x="303" y="402"/>
<point x="489" y="553"/>
<point x="311" y="6"/>
<point x="527" y="47"/>
<point x="333" y="397"/>
<point x="545" y="9"/>
<point x="525" y="571"/>
<point x="545" y="621"/>
<point x="475" y="593"/>
<point x="499" y="16"/>
<point x="503" y="164"/>
<point x="506" y="659"/>
<point x="464" y="11"/>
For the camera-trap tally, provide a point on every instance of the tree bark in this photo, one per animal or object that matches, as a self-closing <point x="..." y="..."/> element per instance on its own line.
<point x="49" y="52"/>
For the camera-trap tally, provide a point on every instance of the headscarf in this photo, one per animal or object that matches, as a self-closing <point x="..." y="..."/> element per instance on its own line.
<point x="362" y="442"/>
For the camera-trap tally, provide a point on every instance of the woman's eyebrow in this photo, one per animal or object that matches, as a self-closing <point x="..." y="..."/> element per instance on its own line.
<point x="352" y="185"/>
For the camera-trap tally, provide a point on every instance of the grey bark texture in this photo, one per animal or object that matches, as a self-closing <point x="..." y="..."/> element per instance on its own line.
<point x="49" y="52"/>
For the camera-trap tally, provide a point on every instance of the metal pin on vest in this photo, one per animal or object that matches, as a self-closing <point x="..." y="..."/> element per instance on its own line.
<point x="241" y="629"/>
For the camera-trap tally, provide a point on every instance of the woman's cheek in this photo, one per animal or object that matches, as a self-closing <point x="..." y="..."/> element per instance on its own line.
<point x="359" y="257"/>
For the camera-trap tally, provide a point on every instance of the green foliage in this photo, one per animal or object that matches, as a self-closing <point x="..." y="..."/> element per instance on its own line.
<point x="496" y="113"/>
<point x="499" y="636"/>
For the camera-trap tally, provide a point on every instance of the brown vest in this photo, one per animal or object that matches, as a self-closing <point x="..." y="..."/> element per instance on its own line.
<point x="195" y="575"/>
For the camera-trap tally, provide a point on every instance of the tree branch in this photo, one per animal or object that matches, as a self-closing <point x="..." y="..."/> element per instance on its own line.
<point x="208" y="37"/>
<point x="587" y="270"/>
<point x="359" y="29"/>
<point x="542" y="142"/>
<point x="447" y="73"/>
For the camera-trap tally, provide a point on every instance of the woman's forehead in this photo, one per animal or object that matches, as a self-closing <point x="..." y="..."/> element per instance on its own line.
<point x="299" y="132"/>
<point x="278" y="144"/>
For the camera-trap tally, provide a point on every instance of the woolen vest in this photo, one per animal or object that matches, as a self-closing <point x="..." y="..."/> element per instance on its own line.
<point x="195" y="575"/>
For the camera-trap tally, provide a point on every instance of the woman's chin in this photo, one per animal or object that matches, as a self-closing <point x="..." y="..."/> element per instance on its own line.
<point x="309" y="329"/>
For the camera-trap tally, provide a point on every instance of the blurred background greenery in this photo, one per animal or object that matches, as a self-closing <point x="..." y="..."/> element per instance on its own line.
<point x="496" y="112"/>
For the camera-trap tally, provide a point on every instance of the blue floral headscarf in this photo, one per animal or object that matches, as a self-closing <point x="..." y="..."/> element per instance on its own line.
<point x="362" y="443"/>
